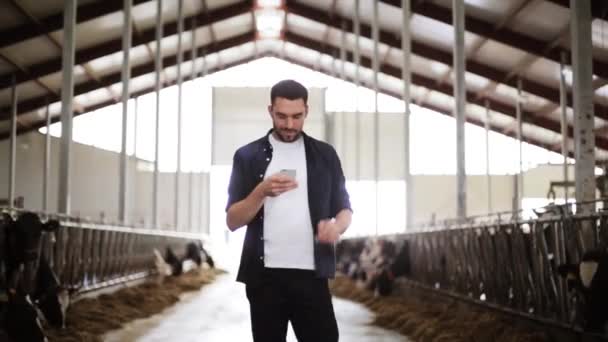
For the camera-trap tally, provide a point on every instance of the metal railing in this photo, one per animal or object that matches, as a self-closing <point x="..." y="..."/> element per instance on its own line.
<point x="507" y="264"/>
<point x="86" y="255"/>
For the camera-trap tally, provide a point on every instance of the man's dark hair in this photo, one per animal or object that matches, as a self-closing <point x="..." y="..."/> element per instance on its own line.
<point x="290" y="90"/>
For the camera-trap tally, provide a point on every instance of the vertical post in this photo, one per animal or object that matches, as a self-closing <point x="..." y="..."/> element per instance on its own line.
<point x="67" y="95"/>
<point x="135" y="123"/>
<point x="13" y="145"/>
<point x="520" y="171"/>
<point x="158" y="69"/>
<point x="47" y="160"/>
<point x="206" y="202"/>
<point x="193" y="56"/>
<point x="563" y="103"/>
<point x="460" y="99"/>
<point x="406" y="75"/>
<point x="488" y="177"/>
<point x="583" y="113"/>
<point x="180" y="61"/>
<point x="343" y="115"/>
<point x="126" y="76"/>
<point x="376" y="69"/>
<point x="357" y="60"/>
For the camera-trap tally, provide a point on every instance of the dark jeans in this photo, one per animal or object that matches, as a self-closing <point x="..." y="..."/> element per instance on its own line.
<point x="291" y="295"/>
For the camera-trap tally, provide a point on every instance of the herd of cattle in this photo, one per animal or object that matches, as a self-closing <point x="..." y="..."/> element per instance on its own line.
<point x="375" y="263"/>
<point x="30" y="291"/>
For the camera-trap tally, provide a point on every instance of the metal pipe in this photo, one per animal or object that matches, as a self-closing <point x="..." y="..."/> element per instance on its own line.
<point x="67" y="95"/>
<point x="563" y="103"/>
<point x="357" y="61"/>
<point x="180" y="61"/>
<point x="460" y="99"/>
<point x="518" y="115"/>
<point x="376" y="69"/>
<point x="13" y="145"/>
<point x="47" y="160"/>
<point x="406" y="75"/>
<point x="584" y="150"/>
<point x="193" y="56"/>
<point x="158" y="66"/>
<point x="488" y="177"/>
<point x="343" y="115"/>
<point x="126" y="76"/>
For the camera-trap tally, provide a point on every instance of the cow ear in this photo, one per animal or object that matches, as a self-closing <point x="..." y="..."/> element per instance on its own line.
<point x="567" y="270"/>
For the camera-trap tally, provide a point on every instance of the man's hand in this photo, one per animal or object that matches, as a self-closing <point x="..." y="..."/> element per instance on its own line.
<point x="278" y="184"/>
<point x="328" y="231"/>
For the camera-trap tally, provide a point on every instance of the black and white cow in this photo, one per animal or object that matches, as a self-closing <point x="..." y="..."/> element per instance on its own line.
<point x="588" y="280"/>
<point x="198" y="254"/>
<point x="25" y="283"/>
<point x="170" y="264"/>
<point x="399" y="266"/>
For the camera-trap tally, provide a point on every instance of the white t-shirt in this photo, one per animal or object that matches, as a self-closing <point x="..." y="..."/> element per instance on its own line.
<point x="288" y="233"/>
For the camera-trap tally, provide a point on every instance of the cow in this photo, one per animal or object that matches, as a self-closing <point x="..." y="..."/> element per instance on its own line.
<point x="198" y="254"/>
<point x="588" y="281"/>
<point x="399" y="266"/>
<point x="31" y="288"/>
<point x="195" y="256"/>
<point x="50" y="296"/>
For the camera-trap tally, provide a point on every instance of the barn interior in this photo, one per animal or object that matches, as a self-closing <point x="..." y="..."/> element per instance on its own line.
<point x="472" y="134"/>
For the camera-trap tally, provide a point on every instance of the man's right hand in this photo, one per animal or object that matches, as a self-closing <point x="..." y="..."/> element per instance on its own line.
<point x="277" y="184"/>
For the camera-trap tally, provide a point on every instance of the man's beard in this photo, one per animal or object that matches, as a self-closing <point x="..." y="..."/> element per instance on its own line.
<point x="281" y="134"/>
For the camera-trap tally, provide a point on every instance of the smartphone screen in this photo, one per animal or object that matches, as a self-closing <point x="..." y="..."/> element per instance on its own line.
<point x="290" y="172"/>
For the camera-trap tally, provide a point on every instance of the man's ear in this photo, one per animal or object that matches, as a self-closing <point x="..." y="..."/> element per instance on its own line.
<point x="270" y="110"/>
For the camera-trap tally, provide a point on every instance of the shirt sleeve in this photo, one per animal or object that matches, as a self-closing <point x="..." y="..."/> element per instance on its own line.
<point x="236" y="187"/>
<point x="339" y="196"/>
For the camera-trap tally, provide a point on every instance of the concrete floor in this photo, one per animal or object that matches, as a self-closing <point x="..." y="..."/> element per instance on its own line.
<point x="220" y="312"/>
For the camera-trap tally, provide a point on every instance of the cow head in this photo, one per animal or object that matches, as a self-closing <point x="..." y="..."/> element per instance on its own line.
<point x="50" y="296"/>
<point x="21" y="320"/>
<point x="587" y="283"/>
<point x="173" y="261"/>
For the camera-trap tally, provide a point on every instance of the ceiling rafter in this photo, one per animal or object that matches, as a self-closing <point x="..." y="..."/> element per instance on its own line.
<point x="147" y="36"/>
<point x="114" y="78"/>
<point x="503" y="35"/>
<point x="428" y="52"/>
<point x="54" y="22"/>
<point x="447" y="89"/>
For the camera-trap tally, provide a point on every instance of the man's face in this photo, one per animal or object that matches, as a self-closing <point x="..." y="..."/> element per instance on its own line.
<point x="288" y="118"/>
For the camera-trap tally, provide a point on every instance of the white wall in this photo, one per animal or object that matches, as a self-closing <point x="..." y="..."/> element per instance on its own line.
<point x="95" y="183"/>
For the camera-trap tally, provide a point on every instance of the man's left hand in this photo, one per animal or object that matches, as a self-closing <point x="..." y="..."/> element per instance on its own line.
<point x="328" y="231"/>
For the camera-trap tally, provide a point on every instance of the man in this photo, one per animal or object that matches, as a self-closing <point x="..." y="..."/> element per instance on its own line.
<point x="288" y="188"/>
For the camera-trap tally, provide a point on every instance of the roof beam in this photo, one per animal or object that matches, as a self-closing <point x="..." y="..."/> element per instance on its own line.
<point x="54" y="22"/>
<point x="503" y="35"/>
<point x="133" y="95"/>
<point x="29" y="105"/>
<point x="440" y="110"/>
<point x="599" y="8"/>
<point x="446" y="89"/>
<point x="429" y="52"/>
<point x="86" y="55"/>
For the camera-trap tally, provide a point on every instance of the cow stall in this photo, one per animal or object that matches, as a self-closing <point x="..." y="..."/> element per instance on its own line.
<point x="47" y="261"/>
<point x="516" y="267"/>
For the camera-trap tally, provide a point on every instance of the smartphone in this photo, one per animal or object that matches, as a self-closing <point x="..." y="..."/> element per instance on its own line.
<point x="290" y="172"/>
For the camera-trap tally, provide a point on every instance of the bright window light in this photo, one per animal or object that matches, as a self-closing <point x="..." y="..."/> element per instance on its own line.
<point x="269" y="22"/>
<point x="269" y="3"/>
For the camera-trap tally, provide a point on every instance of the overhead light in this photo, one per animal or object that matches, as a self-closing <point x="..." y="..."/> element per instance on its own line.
<point x="269" y="3"/>
<point x="269" y="22"/>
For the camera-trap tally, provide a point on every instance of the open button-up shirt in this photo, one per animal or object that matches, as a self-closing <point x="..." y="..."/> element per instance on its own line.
<point x="327" y="196"/>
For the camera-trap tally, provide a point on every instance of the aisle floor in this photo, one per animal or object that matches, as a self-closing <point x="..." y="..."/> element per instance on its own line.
<point x="219" y="312"/>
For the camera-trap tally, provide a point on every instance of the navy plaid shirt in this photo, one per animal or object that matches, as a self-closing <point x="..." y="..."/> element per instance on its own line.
<point x="327" y="196"/>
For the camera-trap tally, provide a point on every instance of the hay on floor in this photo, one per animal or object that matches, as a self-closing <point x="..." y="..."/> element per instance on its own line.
<point x="424" y="317"/>
<point x="88" y="319"/>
